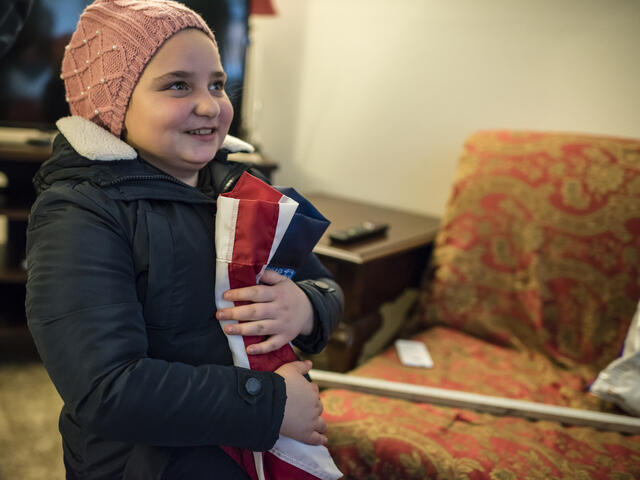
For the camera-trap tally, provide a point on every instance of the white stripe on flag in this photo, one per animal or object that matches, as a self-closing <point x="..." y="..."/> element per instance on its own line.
<point x="314" y="459"/>
<point x="226" y="217"/>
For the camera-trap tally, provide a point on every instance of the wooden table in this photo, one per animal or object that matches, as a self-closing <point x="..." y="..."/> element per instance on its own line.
<point x="370" y="272"/>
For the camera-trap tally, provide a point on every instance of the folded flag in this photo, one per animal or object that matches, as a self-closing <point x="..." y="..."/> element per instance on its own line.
<point x="259" y="227"/>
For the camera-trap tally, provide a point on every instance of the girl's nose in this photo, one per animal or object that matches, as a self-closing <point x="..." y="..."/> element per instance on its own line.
<point x="207" y="105"/>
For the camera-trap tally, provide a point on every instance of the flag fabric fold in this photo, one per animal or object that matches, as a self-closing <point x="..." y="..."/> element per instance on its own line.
<point x="259" y="227"/>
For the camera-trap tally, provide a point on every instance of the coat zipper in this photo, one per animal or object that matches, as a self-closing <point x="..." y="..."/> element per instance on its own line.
<point x="144" y="178"/>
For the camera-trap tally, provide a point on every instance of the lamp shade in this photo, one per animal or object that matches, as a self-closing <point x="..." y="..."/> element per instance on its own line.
<point x="262" y="7"/>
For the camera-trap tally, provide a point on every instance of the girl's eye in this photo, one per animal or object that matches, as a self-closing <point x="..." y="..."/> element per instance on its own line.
<point x="178" y="86"/>
<point x="219" y="86"/>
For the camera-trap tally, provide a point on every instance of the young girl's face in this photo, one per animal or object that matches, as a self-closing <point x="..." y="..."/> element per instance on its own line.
<point x="179" y="113"/>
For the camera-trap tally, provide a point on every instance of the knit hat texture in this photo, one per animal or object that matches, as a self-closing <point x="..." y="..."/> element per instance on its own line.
<point x="112" y="44"/>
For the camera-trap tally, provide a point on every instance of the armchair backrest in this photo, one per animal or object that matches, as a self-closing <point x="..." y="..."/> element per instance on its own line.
<point x="540" y="244"/>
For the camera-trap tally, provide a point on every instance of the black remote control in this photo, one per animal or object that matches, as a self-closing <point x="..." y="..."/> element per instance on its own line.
<point x="358" y="232"/>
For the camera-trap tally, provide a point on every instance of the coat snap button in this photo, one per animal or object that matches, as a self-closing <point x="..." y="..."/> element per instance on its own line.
<point x="324" y="286"/>
<point x="253" y="386"/>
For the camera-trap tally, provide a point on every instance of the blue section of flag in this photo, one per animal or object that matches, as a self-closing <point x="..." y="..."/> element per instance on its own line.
<point x="305" y="229"/>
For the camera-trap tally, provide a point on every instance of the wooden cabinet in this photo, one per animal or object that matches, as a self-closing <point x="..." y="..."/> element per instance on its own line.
<point x="370" y="272"/>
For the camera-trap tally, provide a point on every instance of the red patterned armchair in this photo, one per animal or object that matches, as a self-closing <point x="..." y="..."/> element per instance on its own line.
<point x="533" y="282"/>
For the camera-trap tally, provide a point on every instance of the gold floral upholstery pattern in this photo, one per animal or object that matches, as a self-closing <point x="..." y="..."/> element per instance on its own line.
<point x="534" y="279"/>
<point x="540" y="245"/>
<point x="377" y="438"/>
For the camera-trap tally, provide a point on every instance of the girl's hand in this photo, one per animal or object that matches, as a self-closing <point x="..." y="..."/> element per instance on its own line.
<point x="302" y="420"/>
<point x="278" y="308"/>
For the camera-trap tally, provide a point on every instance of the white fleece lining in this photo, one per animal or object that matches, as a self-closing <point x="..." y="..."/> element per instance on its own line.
<point x="96" y="143"/>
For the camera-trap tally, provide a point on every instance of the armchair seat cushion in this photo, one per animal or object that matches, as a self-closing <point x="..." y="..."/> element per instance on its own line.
<point x="467" y="363"/>
<point x="384" y="438"/>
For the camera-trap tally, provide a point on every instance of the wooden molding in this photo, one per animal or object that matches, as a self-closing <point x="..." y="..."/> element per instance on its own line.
<point x="482" y="403"/>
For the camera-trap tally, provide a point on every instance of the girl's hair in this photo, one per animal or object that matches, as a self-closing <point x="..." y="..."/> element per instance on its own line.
<point x="111" y="46"/>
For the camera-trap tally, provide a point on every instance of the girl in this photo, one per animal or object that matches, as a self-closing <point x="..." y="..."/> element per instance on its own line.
<point x="120" y="294"/>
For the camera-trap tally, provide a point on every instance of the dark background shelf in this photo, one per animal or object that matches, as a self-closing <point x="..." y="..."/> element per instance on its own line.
<point x="11" y="270"/>
<point x="18" y="164"/>
<point x="15" y="208"/>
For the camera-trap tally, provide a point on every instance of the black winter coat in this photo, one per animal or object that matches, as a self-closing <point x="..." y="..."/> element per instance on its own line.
<point x="120" y="302"/>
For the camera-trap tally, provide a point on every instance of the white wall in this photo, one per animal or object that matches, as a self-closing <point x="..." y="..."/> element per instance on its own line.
<point x="372" y="99"/>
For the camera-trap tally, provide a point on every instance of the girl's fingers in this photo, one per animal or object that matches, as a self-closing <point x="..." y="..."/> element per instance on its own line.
<point x="246" y="313"/>
<point x="269" y="345"/>
<point x="270" y="277"/>
<point x="317" y="439"/>
<point x="255" y="293"/>
<point x="321" y="425"/>
<point x="263" y="327"/>
<point x="260" y="327"/>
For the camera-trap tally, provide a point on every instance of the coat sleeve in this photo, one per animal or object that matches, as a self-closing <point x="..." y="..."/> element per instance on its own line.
<point x="326" y="299"/>
<point x="88" y="325"/>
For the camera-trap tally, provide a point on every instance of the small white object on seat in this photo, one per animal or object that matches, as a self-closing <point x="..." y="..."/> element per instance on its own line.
<point x="413" y="353"/>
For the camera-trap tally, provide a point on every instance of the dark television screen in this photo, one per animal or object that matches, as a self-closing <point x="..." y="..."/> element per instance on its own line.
<point x="31" y="92"/>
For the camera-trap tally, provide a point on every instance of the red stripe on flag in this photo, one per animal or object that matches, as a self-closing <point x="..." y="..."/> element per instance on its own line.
<point x="268" y="362"/>
<point x="255" y="230"/>
<point x="249" y="186"/>
<point x="244" y="458"/>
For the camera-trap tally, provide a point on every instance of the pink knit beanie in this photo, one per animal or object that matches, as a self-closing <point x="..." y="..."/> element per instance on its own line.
<point x="112" y="44"/>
